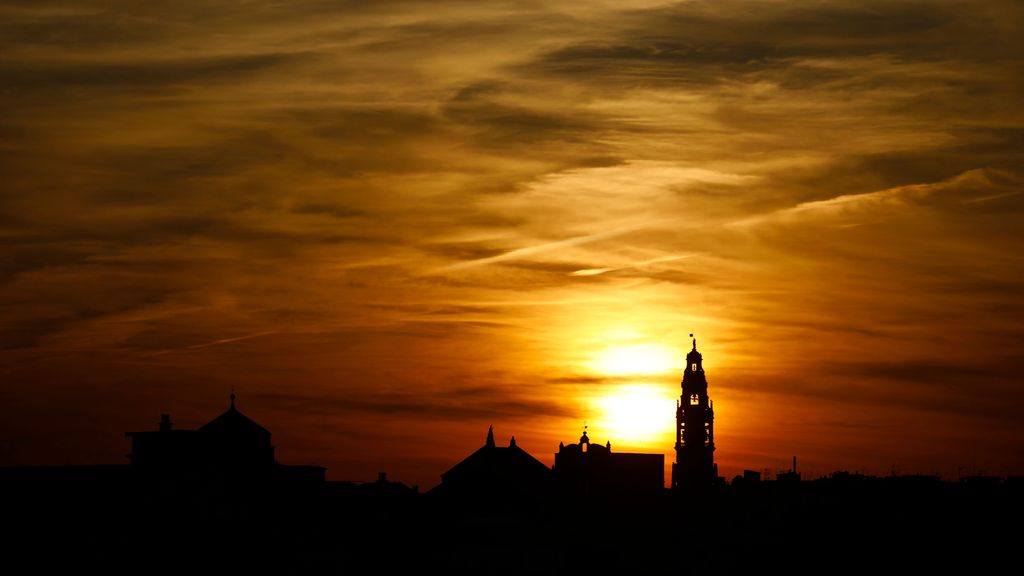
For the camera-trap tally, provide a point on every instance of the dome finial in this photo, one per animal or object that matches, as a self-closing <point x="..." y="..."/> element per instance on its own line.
<point x="490" y="436"/>
<point x="232" y="398"/>
<point x="694" y="343"/>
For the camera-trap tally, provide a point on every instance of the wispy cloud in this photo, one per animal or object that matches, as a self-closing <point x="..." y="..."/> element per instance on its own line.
<point x="527" y="251"/>
<point x="219" y="342"/>
<point x="973" y="187"/>
<point x="599" y="271"/>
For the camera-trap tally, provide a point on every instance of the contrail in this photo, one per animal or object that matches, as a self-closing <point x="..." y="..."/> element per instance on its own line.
<point x="599" y="271"/>
<point x="531" y="250"/>
<point x="213" y="343"/>
<point x="228" y="340"/>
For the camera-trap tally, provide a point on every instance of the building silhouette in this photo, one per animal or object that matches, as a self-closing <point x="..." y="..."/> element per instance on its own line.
<point x="495" y="471"/>
<point x="230" y="444"/>
<point x="231" y="440"/>
<point x="214" y="500"/>
<point x="695" y="428"/>
<point x="789" y="476"/>
<point x="592" y="469"/>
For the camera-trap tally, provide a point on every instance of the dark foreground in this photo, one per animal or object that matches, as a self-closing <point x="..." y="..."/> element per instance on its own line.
<point x="109" y="521"/>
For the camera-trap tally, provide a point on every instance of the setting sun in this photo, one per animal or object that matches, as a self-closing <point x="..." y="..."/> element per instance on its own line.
<point x="635" y="359"/>
<point x="636" y="415"/>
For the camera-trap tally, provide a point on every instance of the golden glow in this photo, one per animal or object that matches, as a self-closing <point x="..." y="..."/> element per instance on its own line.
<point x="635" y="415"/>
<point x="635" y="359"/>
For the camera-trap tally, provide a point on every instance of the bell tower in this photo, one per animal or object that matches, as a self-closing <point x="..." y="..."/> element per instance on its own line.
<point x="695" y="428"/>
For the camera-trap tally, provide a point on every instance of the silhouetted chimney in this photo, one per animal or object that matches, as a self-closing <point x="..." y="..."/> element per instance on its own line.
<point x="165" y="422"/>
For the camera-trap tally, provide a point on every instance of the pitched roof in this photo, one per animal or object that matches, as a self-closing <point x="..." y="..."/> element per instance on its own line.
<point x="233" y="423"/>
<point x="495" y="470"/>
<point x="492" y="460"/>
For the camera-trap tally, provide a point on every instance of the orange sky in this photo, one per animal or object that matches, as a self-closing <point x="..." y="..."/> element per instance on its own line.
<point x="389" y="225"/>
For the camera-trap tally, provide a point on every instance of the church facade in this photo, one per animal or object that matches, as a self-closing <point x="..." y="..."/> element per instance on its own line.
<point x="592" y="469"/>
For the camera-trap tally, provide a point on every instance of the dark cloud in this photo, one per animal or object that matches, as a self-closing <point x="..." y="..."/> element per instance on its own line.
<point x="139" y="75"/>
<point x="455" y="405"/>
<point x="593" y="380"/>
<point x="464" y="250"/>
<point x="883" y="385"/>
<point x="333" y="210"/>
<point x="748" y="36"/>
<point x="502" y="125"/>
<point x="928" y="373"/>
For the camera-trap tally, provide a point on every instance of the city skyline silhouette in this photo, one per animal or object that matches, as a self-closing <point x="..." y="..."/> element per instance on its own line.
<point x="643" y="286"/>
<point x="218" y="498"/>
<point x="233" y="441"/>
<point x="700" y="461"/>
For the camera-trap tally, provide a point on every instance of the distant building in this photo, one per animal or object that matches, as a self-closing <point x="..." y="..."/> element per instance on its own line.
<point x="494" y="471"/>
<point x="749" y="477"/>
<point x="231" y="442"/>
<point x="592" y="469"/>
<point x="695" y="429"/>
<point x="791" y="476"/>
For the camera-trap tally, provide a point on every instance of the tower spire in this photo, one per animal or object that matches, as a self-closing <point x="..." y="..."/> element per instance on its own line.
<point x="490" y="437"/>
<point x="695" y="428"/>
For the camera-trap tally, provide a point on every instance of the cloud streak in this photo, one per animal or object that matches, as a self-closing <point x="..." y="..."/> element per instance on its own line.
<point x="526" y="252"/>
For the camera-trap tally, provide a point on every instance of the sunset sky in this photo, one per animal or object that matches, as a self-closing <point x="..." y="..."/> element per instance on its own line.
<point x="391" y="224"/>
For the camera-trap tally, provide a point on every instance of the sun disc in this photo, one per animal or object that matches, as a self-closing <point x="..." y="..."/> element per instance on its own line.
<point x="636" y="415"/>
